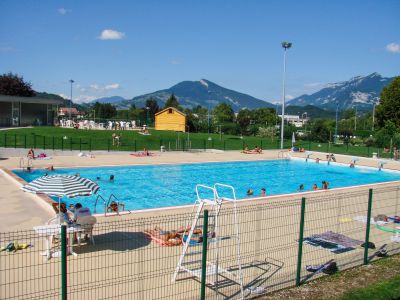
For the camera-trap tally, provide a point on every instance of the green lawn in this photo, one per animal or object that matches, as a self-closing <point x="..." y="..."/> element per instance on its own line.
<point x="87" y="140"/>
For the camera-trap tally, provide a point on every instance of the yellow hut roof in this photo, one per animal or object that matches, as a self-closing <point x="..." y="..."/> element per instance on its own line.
<point x="165" y="109"/>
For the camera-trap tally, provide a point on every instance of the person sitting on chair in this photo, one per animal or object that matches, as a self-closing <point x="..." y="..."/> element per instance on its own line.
<point x="81" y="211"/>
<point x="62" y="210"/>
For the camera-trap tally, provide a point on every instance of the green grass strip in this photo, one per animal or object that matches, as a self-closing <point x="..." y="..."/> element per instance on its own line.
<point x="383" y="290"/>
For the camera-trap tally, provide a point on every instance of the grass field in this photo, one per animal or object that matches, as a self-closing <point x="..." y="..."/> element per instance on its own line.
<point x="87" y="140"/>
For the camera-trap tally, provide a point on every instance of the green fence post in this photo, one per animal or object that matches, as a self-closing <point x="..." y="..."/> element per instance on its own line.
<point x="300" y="249"/>
<point x="368" y="227"/>
<point x="204" y="257"/>
<point x="15" y="141"/>
<point x="63" y="262"/>
<point x="62" y="144"/>
<point x="135" y="146"/>
<point x="44" y="142"/>
<point x="309" y="145"/>
<point x="25" y="141"/>
<point x="108" y="145"/>
<point x="90" y="145"/>
<point x="80" y="144"/>
<point x="242" y="144"/>
<point x="70" y="143"/>
<point x="34" y="141"/>
<point x="224" y="145"/>
<point x="5" y="140"/>
<point x="205" y="145"/>
<point x="261" y="145"/>
<point x="52" y="143"/>
<point x="368" y="151"/>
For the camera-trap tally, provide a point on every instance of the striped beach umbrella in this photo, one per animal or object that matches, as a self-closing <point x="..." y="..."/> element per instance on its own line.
<point x="62" y="185"/>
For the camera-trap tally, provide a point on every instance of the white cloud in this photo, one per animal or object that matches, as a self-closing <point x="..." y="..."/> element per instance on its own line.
<point x="112" y="86"/>
<point x="103" y="88"/>
<point x="63" y="11"/>
<point x="109" y="34"/>
<point x="175" y="62"/>
<point x="393" y="48"/>
<point x="289" y="97"/>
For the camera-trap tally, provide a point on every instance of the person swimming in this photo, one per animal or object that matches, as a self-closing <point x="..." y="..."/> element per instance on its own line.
<point x="249" y="192"/>
<point x="112" y="178"/>
<point x="314" y="187"/>
<point x="301" y="188"/>
<point x="263" y="192"/>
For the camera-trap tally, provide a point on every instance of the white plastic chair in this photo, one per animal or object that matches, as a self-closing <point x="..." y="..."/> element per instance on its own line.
<point x="87" y="224"/>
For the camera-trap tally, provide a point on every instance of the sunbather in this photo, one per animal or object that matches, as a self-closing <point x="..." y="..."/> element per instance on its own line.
<point x="164" y="235"/>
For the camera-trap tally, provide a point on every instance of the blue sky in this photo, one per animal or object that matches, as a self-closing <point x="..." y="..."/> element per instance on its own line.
<point x="129" y="48"/>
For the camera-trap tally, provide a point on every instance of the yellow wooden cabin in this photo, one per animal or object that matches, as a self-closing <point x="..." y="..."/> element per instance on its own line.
<point x="170" y="119"/>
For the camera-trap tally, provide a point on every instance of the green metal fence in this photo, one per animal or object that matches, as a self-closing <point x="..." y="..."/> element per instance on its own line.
<point x="284" y="242"/>
<point x="69" y="143"/>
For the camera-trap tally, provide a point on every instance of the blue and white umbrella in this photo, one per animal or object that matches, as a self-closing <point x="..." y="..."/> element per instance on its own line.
<point x="62" y="185"/>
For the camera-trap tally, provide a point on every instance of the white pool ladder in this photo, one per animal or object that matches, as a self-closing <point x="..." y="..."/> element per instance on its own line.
<point x="25" y="163"/>
<point x="190" y="259"/>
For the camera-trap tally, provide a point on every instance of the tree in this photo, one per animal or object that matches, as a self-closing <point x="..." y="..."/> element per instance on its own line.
<point x="389" y="106"/>
<point x="152" y="104"/>
<point x="243" y="119"/>
<point x="13" y="85"/>
<point x="223" y="113"/>
<point x="105" y="111"/>
<point x="320" y="131"/>
<point x="265" y="116"/>
<point x="172" y="102"/>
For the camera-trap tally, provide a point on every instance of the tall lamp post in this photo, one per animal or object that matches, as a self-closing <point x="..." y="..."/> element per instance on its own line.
<point x="355" y="118"/>
<point x="373" y="117"/>
<point x="336" y="124"/>
<point x="304" y="124"/>
<point x="147" y="116"/>
<point x="285" y="45"/>
<point x="70" y="103"/>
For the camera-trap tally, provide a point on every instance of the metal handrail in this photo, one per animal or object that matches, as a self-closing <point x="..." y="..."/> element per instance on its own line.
<point x="104" y="202"/>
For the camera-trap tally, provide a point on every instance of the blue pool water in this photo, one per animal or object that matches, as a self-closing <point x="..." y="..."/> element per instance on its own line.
<point x="142" y="187"/>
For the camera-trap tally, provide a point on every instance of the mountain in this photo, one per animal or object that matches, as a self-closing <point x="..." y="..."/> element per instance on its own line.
<point x="313" y="112"/>
<point x="112" y="100"/>
<point x="361" y="91"/>
<point x="202" y="92"/>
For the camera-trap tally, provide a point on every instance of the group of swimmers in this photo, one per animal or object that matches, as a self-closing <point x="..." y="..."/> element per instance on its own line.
<point x="263" y="192"/>
<point x="324" y="186"/>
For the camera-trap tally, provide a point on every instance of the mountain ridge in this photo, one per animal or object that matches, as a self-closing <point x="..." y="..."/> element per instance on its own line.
<point x="360" y="91"/>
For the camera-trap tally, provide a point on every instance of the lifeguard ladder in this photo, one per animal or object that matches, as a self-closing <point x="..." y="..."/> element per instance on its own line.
<point x="190" y="259"/>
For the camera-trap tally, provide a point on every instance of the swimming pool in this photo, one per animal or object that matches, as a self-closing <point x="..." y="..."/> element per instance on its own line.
<point x="151" y="186"/>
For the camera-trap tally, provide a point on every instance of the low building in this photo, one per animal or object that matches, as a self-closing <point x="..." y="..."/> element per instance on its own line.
<point x="295" y="120"/>
<point x="66" y="112"/>
<point x="170" y="119"/>
<point x="25" y="111"/>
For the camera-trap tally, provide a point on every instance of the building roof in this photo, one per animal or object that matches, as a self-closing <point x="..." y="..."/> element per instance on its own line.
<point x="66" y="110"/>
<point x="165" y="109"/>
<point x="35" y="100"/>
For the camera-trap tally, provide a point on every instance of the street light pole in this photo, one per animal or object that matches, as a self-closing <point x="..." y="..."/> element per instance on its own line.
<point x="373" y="117"/>
<point x="337" y="111"/>
<point x="285" y="45"/>
<point x="70" y="103"/>
<point x="355" y="118"/>
<point x="147" y="116"/>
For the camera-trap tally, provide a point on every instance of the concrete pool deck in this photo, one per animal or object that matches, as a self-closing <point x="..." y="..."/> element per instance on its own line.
<point x="17" y="206"/>
<point x="269" y="234"/>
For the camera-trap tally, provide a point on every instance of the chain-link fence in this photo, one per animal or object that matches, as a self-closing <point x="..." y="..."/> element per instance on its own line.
<point x="284" y="241"/>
